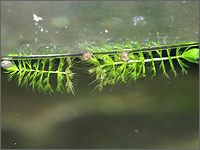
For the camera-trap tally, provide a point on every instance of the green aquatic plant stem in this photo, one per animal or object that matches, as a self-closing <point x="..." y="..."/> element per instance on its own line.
<point x="110" y="63"/>
<point x="146" y="60"/>
<point x="32" y="70"/>
<point x="109" y="69"/>
<point x="28" y="70"/>
<point x="102" y="49"/>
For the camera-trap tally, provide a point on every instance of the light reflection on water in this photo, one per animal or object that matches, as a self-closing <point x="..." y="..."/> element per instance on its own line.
<point x="163" y="112"/>
<point x="87" y="21"/>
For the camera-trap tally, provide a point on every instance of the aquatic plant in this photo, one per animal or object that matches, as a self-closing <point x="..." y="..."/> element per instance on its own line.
<point x="110" y="63"/>
<point x="38" y="73"/>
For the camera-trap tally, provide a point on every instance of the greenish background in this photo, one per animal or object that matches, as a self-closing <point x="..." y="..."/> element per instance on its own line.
<point x="156" y="113"/>
<point x="88" y="21"/>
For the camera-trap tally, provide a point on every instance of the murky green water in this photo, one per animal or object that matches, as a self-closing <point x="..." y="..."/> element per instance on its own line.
<point x="87" y="21"/>
<point x="156" y="113"/>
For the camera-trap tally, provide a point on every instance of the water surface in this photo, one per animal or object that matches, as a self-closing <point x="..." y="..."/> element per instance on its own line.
<point x="151" y="114"/>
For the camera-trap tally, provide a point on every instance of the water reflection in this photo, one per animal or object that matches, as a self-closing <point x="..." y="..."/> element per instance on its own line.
<point x="71" y="23"/>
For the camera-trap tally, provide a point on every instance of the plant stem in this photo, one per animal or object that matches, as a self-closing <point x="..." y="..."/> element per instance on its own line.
<point x="148" y="60"/>
<point x="32" y="70"/>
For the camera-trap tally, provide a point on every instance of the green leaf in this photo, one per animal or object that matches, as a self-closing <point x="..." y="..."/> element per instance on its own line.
<point x="191" y="55"/>
<point x="100" y="87"/>
<point x="11" y="55"/>
<point x="68" y="90"/>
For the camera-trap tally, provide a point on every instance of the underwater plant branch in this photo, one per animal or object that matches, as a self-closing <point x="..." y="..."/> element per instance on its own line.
<point x="109" y="63"/>
<point x="113" y="71"/>
<point x="26" y="70"/>
<point x="44" y="71"/>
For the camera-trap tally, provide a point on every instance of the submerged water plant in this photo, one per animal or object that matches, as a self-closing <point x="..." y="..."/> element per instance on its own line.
<point x="110" y="63"/>
<point x="36" y="73"/>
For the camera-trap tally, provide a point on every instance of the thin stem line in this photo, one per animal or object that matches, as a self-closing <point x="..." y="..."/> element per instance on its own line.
<point x="44" y="71"/>
<point x="146" y="60"/>
<point x="150" y="48"/>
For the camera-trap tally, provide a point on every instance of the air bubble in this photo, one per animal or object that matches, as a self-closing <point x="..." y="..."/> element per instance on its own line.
<point x="6" y="64"/>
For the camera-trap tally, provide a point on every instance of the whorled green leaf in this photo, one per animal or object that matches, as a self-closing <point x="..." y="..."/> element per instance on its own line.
<point x="37" y="74"/>
<point x="192" y="55"/>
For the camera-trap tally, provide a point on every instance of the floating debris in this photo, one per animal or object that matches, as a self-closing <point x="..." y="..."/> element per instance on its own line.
<point x="87" y="56"/>
<point x="136" y="131"/>
<point x="106" y="31"/>
<point x="37" y="18"/>
<point x="136" y="19"/>
<point x="124" y="57"/>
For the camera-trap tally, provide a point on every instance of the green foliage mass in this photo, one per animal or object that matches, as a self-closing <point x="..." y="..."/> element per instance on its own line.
<point x="37" y="74"/>
<point x="110" y="69"/>
<point x="111" y="63"/>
